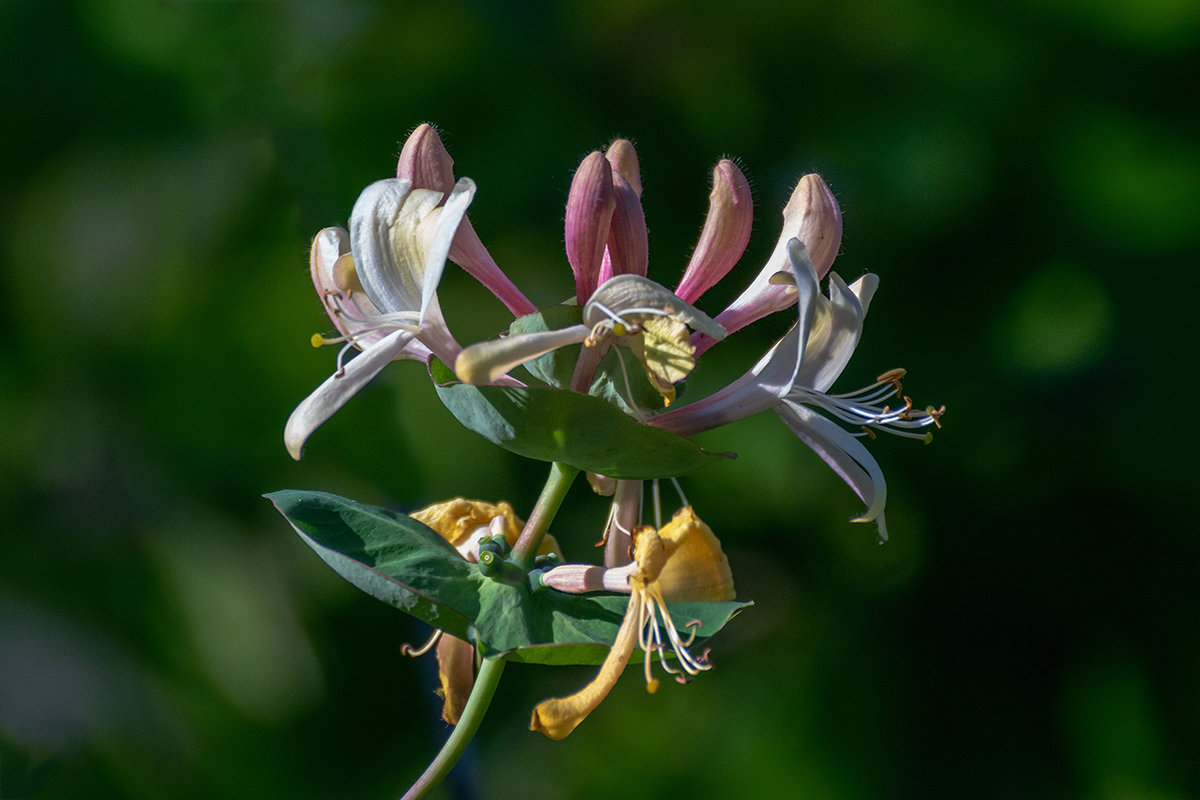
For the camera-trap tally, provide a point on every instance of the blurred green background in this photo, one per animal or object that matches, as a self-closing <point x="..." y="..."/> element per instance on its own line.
<point x="1022" y="175"/>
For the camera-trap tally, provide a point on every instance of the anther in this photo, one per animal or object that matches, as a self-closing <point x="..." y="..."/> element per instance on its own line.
<point x="936" y="415"/>
<point x="783" y="278"/>
<point x="893" y="377"/>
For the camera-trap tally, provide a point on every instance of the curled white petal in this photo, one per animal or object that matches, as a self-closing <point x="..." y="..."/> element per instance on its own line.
<point x="835" y="333"/>
<point x="340" y="387"/>
<point x="630" y="294"/>
<point x="441" y="237"/>
<point x="845" y="455"/>
<point x="391" y="286"/>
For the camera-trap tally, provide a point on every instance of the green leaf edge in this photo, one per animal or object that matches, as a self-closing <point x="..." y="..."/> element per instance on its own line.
<point x="642" y="453"/>
<point x="608" y="609"/>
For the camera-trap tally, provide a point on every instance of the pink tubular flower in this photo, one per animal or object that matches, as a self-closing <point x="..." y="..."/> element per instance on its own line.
<point x="812" y="216"/>
<point x="379" y="285"/>
<point x="378" y="281"/>
<point x="725" y="235"/>
<point x="426" y="163"/>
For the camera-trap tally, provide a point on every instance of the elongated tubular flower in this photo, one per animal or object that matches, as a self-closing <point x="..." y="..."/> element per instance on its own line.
<point x="399" y="239"/>
<point x="464" y="524"/>
<point x="725" y="235"/>
<point x="425" y="162"/>
<point x="794" y="376"/>
<point x="811" y="215"/>
<point x="683" y="561"/>
<point x="626" y="509"/>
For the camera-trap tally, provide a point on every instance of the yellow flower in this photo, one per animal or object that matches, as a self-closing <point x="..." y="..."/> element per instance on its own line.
<point x="683" y="561"/>
<point x="463" y="523"/>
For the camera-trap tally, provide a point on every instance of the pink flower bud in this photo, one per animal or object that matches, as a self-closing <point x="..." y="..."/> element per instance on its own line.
<point x="624" y="160"/>
<point x="628" y="243"/>
<point x="726" y="232"/>
<point x="425" y="161"/>
<point x="590" y="207"/>
<point x="812" y="216"/>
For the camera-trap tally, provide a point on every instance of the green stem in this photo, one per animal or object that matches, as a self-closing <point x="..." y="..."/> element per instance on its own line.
<point x="560" y="480"/>
<point x="477" y="705"/>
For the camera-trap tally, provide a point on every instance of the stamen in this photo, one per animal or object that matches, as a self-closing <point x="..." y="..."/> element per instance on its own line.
<point x="657" y="499"/>
<point x="688" y="663"/>
<point x="683" y="501"/>
<point x="783" y="278"/>
<point x="861" y="409"/>
<point x="637" y="412"/>
<point x="643" y="641"/>
<point x="407" y="649"/>
<point x="610" y="523"/>
<point x="692" y="627"/>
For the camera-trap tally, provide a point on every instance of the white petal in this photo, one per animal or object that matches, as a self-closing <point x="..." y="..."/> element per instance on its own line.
<point x="833" y="339"/>
<point x="864" y="289"/>
<point x="845" y="455"/>
<point x="777" y="370"/>
<point x="627" y="292"/>
<point x="331" y="251"/>
<point x="391" y="286"/>
<point x="437" y="245"/>
<point x="337" y="389"/>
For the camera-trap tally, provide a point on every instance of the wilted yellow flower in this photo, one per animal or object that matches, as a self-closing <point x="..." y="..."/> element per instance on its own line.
<point x="682" y="561"/>
<point x="463" y="523"/>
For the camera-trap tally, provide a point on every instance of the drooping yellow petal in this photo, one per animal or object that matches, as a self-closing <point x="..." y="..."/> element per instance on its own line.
<point x="664" y="347"/>
<point x="669" y="354"/>
<point x="696" y="568"/>
<point x="455" y="520"/>
<point x="456" y="670"/>
<point x="558" y="716"/>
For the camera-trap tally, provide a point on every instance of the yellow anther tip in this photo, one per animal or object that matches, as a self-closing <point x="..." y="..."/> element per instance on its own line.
<point x="317" y="340"/>
<point x="652" y="685"/>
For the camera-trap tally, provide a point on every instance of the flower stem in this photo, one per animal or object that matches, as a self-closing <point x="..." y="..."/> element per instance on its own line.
<point x="477" y="705"/>
<point x="560" y="480"/>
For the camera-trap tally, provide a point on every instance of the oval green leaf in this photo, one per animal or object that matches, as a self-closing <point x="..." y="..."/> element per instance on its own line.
<point x="568" y="427"/>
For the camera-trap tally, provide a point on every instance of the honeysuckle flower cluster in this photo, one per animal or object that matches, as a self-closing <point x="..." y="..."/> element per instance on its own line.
<point x="590" y="386"/>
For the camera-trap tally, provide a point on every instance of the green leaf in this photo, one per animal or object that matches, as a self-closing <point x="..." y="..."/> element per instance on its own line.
<point x="388" y="555"/>
<point x="568" y="427"/>
<point x="582" y="639"/>
<point x="400" y="561"/>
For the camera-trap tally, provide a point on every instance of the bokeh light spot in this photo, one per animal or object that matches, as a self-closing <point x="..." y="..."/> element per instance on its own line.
<point x="1059" y="321"/>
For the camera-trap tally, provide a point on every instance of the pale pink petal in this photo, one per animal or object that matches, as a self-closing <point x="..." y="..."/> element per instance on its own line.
<point x="340" y="387"/>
